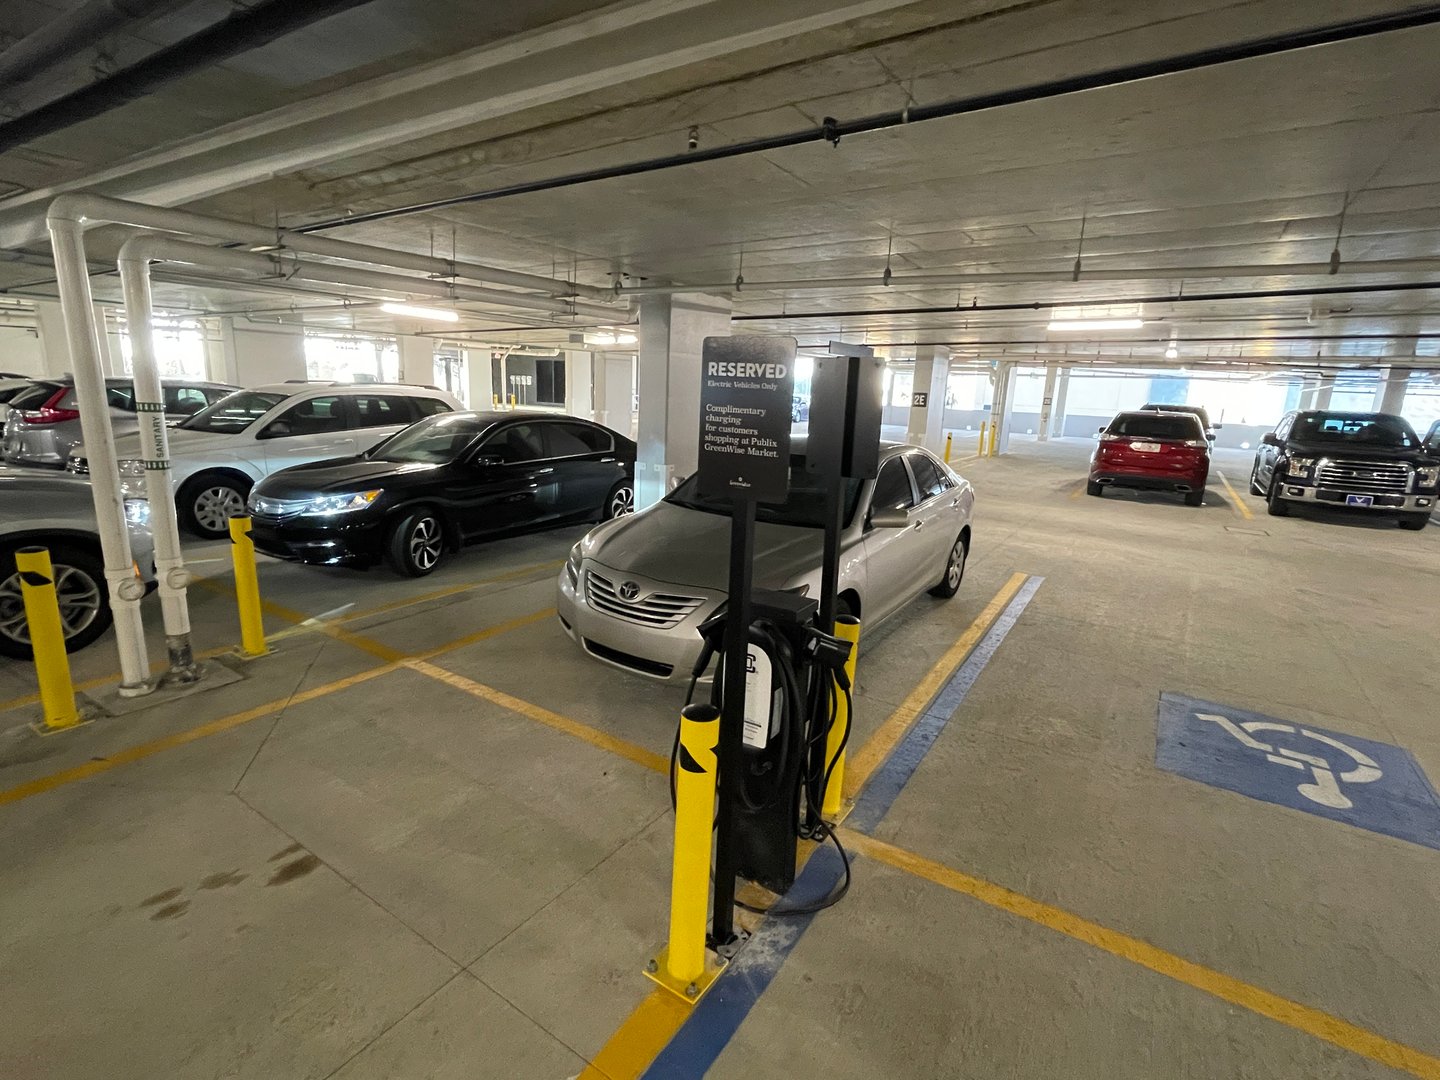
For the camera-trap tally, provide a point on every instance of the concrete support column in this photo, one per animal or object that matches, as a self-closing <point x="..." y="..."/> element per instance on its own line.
<point x="672" y="330"/>
<point x="1002" y="399"/>
<point x="1047" y="402"/>
<point x="1057" y="408"/>
<point x="255" y="355"/>
<point x="614" y="392"/>
<point x="926" y="426"/>
<point x="479" y="384"/>
<point x="51" y="325"/>
<point x="1390" y="396"/>
<point x="417" y="359"/>
<point x="1315" y="392"/>
<point x="580" y="383"/>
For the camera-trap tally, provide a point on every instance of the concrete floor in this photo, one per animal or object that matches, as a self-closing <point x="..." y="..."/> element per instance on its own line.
<point x="363" y="868"/>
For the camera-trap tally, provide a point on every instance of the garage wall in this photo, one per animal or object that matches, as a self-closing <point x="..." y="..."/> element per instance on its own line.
<point x="21" y="351"/>
<point x="253" y="356"/>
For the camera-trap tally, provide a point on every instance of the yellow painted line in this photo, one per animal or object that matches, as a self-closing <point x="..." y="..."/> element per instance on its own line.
<point x="602" y="740"/>
<point x="103" y="680"/>
<point x="1282" y="1010"/>
<point x="1235" y="499"/>
<point x="639" y="1040"/>
<point x="878" y="747"/>
<point x="290" y="615"/>
<point x="452" y="590"/>
<point x="1079" y="489"/>
<point x="180" y="738"/>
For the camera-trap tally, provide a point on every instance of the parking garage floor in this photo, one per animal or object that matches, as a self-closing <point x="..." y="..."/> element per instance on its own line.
<point x="427" y="838"/>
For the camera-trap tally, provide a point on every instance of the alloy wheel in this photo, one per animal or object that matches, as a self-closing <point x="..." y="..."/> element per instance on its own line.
<point x="622" y="501"/>
<point x="215" y="506"/>
<point x="956" y="569"/>
<point x="78" y="595"/>
<point x="425" y="543"/>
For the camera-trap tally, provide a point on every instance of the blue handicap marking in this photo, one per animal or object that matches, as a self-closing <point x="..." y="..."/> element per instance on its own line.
<point x="1369" y="784"/>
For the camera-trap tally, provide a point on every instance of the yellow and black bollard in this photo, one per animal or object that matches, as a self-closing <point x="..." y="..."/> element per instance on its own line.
<point x="47" y="638"/>
<point x="684" y="966"/>
<point x="247" y="588"/>
<point x="984" y="430"/>
<point x="948" y="439"/>
<point x="847" y="627"/>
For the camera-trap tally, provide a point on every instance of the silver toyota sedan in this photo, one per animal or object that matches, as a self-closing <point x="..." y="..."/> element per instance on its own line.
<point x="636" y="589"/>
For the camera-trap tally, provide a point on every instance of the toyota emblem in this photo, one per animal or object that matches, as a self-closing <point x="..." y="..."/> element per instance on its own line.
<point x="629" y="591"/>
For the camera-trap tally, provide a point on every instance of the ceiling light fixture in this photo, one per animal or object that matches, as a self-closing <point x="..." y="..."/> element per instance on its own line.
<point x="437" y="314"/>
<point x="1172" y="353"/>
<point x="1066" y="325"/>
<point x="619" y="337"/>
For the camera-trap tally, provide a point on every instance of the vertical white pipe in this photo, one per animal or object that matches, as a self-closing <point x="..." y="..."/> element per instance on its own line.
<point x="155" y="450"/>
<point x="72" y="276"/>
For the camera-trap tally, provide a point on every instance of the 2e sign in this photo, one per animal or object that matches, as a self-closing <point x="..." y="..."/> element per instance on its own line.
<point x="747" y="386"/>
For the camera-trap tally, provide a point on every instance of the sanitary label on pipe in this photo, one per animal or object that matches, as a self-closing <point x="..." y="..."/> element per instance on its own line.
<point x="1368" y="784"/>
<point x="747" y="390"/>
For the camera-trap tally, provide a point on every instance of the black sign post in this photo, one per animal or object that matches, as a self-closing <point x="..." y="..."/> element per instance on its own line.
<point x="747" y="386"/>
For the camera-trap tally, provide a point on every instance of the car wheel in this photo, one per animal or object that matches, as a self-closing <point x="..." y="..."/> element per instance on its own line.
<point x="1414" y="522"/>
<point x="1195" y="498"/>
<point x="80" y="589"/>
<point x="1092" y="488"/>
<point x="1274" y="504"/>
<point x="954" y="571"/>
<point x="416" y="544"/>
<point x="208" y="502"/>
<point x="620" y="501"/>
<point x="1255" y="488"/>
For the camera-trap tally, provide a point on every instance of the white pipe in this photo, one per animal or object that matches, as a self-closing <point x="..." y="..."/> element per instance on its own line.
<point x="101" y="209"/>
<point x="67" y="241"/>
<point x="170" y="569"/>
<point x="909" y="281"/>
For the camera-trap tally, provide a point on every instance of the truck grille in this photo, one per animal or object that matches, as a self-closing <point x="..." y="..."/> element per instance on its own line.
<point x="1364" y="476"/>
<point x="661" y="611"/>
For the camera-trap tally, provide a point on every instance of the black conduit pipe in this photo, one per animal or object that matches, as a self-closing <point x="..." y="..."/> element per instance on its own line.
<point x="1045" y="305"/>
<point x="238" y="33"/>
<point x="832" y="131"/>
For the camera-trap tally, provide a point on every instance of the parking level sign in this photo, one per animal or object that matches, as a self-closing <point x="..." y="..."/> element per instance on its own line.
<point x="1368" y="784"/>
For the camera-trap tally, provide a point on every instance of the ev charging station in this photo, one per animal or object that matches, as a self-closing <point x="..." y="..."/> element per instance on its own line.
<point x="773" y="736"/>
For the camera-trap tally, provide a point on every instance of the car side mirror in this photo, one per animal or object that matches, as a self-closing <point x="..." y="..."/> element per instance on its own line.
<point x="1100" y="431"/>
<point x="1210" y="435"/>
<point x="486" y="461"/>
<point x="278" y="430"/>
<point x="1270" y="439"/>
<point x="1216" y="427"/>
<point x="890" y="519"/>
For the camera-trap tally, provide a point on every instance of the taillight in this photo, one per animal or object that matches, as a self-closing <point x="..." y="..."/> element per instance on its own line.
<point x="50" y="412"/>
<point x="1107" y="437"/>
<point x="1198" y="444"/>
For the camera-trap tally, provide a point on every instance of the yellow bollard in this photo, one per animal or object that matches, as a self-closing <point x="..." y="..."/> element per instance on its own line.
<point x="512" y="401"/>
<point x="984" y="427"/>
<point x="495" y="398"/>
<point x="247" y="588"/>
<point x="685" y="967"/>
<point x="948" y="439"/>
<point x="994" y="436"/>
<point x="47" y="638"/>
<point x="847" y="627"/>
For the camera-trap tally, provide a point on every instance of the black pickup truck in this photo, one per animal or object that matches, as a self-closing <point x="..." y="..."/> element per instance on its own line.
<point x="1372" y="462"/>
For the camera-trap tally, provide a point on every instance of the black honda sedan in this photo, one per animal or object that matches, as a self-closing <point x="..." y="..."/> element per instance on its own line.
<point x="447" y="481"/>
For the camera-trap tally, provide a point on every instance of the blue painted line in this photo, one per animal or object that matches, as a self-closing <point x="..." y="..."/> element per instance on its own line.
<point x="890" y="779"/>
<point x="714" y="1021"/>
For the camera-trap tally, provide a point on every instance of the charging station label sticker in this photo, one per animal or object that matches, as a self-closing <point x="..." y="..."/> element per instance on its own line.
<point x="757" y="698"/>
<point x="747" y="388"/>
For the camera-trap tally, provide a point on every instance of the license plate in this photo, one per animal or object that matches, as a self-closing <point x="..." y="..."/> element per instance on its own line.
<point x="1359" y="500"/>
<point x="1146" y="447"/>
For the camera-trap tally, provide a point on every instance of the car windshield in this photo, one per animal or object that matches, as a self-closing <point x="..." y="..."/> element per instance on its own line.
<point x="438" y="440"/>
<point x="233" y="414"/>
<point x="805" y="505"/>
<point x="33" y="396"/>
<point x="1194" y="410"/>
<point x="1166" y="427"/>
<point x="1356" y="429"/>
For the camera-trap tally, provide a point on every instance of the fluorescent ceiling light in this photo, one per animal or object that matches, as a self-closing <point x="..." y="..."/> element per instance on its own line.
<point x="1172" y="353"/>
<point x="438" y="314"/>
<point x="617" y="338"/>
<point x="1096" y="324"/>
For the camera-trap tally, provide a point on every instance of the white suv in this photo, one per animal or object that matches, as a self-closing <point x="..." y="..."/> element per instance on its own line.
<point x="218" y="454"/>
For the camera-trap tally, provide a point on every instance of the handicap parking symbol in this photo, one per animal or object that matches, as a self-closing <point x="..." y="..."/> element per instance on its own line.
<point x="1365" y="783"/>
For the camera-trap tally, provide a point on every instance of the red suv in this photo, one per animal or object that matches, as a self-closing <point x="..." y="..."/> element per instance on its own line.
<point x="1158" y="451"/>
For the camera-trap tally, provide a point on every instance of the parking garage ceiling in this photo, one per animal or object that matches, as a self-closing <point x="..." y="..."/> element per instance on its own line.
<point x="1166" y="183"/>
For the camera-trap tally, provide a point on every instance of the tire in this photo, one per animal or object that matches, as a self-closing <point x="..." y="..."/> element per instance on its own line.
<point x="416" y="544"/>
<point x="81" y="589"/>
<point x="620" y="501"/>
<point x="1275" y="506"/>
<point x="1255" y="488"/>
<point x="207" y="502"/>
<point x="1414" y="522"/>
<point x="954" y="574"/>
<point x="1195" y="498"/>
<point x="1092" y="488"/>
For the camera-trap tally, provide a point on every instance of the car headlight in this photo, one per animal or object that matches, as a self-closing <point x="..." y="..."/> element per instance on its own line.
<point x="1428" y="476"/>
<point x="131" y="467"/>
<point x="341" y="504"/>
<point x="137" y="511"/>
<point x="1300" y="466"/>
<point x="572" y="567"/>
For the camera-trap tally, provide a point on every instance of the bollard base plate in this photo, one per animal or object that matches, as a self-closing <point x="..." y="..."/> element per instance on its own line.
<point x="688" y="992"/>
<point x="239" y="653"/>
<point x="85" y="716"/>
